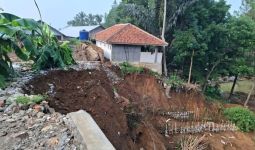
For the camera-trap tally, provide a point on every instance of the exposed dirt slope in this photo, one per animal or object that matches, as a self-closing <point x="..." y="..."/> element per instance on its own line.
<point x="91" y="91"/>
<point x="127" y="111"/>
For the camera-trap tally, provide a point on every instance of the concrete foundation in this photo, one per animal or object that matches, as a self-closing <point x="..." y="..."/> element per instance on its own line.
<point x="89" y="133"/>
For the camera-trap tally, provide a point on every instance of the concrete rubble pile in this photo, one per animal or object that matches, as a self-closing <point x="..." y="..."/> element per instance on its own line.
<point x="31" y="126"/>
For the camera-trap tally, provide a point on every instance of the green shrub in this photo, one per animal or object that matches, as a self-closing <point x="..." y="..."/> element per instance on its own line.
<point x="26" y="100"/>
<point x="126" y="68"/>
<point x="37" y="98"/>
<point x="175" y="81"/>
<point x="242" y="117"/>
<point x="213" y="92"/>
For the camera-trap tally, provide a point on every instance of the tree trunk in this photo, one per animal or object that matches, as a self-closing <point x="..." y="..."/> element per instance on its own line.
<point x="233" y="87"/>
<point x="209" y="74"/>
<point x="156" y="55"/>
<point x="191" y="64"/>
<point x="249" y="95"/>
<point x="157" y="17"/>
<point x="163" y="38"/>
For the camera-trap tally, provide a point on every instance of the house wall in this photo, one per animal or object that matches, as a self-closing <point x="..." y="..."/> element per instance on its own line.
<point x="93" y="32"/>
<point x="107" y="49"/>
<point x="129" y="53"/>
<point x="148" y="57"/>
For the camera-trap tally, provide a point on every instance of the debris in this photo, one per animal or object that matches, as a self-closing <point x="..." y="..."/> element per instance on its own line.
<point x="22" y="135"/>
<point x="9" y="109"/>
<point x="2" y="103"/>
<point x="40" y="114"/>
<point x="37" y="108"/>
<point x="223" y="142"/>
<point x="47" y="128"/>
<point x="53" y="141"/>
<point x="3" y="133"/>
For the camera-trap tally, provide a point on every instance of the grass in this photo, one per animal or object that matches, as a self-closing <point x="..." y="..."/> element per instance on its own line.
<point x="25" y="100"/>
<point x="241" y="86"/>
<point x="127" y="68"/>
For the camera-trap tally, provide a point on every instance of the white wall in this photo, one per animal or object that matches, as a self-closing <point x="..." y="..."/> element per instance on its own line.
<point x="148" y="57"/>
<point x="107" y="49"/>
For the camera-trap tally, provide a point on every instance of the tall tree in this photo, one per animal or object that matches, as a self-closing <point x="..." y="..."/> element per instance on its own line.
<point x="83" y="19"/>
<point x="248" y="8"/>
<point x="243" y="36"/>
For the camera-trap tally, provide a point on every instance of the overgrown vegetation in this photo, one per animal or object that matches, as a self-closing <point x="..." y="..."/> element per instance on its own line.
<point x="175" y="81"/>
<point x="127" y="68"/>
<point x="213" y="92"/>
<point x="26" y="100"/>
<point x="242" y="117"/>
<point x="221" y="42"/>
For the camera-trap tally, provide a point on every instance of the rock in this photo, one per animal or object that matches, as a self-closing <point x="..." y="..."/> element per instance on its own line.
<point x="92" y="55"/>
<point x="22" y="135"/>
<point x="21" y="113"/>
<point x="24" y="107"/>
<point x="2" y="103"/>
<point x="37" y="108"/>
<point x="3" y="133"/>
<point x="34" y="113"/>
<point x="3" y="118"/>
<point x="10" y="120"/>
<point x="12" y="98"/>
<point x="15" y="109"/>
<point x="1" y="109"/>
<point x="26" y="117"/>
<point x="47" y="109"/>
<point x="53" y="141"/>
<point x="29" y="111"/>
<point x="9" y="109"/>
<point x="63" y="139"/>
<point x="47" y="128"/>
<point x="40" y="114"/>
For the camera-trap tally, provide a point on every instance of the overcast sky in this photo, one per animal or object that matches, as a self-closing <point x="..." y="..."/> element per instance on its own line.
<point x="58" y="12"/>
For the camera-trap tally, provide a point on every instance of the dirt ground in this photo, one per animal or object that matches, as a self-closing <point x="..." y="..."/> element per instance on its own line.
<point x="127" y="111"/>
<point x="91" y="91"/>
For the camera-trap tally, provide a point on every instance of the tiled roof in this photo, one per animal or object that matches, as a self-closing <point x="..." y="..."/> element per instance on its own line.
<point x="128" y="34"/>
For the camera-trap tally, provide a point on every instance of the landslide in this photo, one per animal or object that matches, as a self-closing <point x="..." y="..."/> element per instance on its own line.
<point x="127" y="111"/>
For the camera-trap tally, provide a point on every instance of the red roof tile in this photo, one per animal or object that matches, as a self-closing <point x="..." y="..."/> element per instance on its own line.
<point x="128" y="34"/>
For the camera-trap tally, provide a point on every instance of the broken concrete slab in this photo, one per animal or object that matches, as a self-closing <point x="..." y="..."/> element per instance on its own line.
<point x="89" y="132"/>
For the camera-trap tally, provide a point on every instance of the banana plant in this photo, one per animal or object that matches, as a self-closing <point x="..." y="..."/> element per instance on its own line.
<point x="30" y="40"/>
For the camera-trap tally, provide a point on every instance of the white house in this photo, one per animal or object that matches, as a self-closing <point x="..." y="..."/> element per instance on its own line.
<point x="123" y="42"/>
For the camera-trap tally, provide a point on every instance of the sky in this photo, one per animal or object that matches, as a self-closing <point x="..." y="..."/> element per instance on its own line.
<point x="58" y="12"/>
